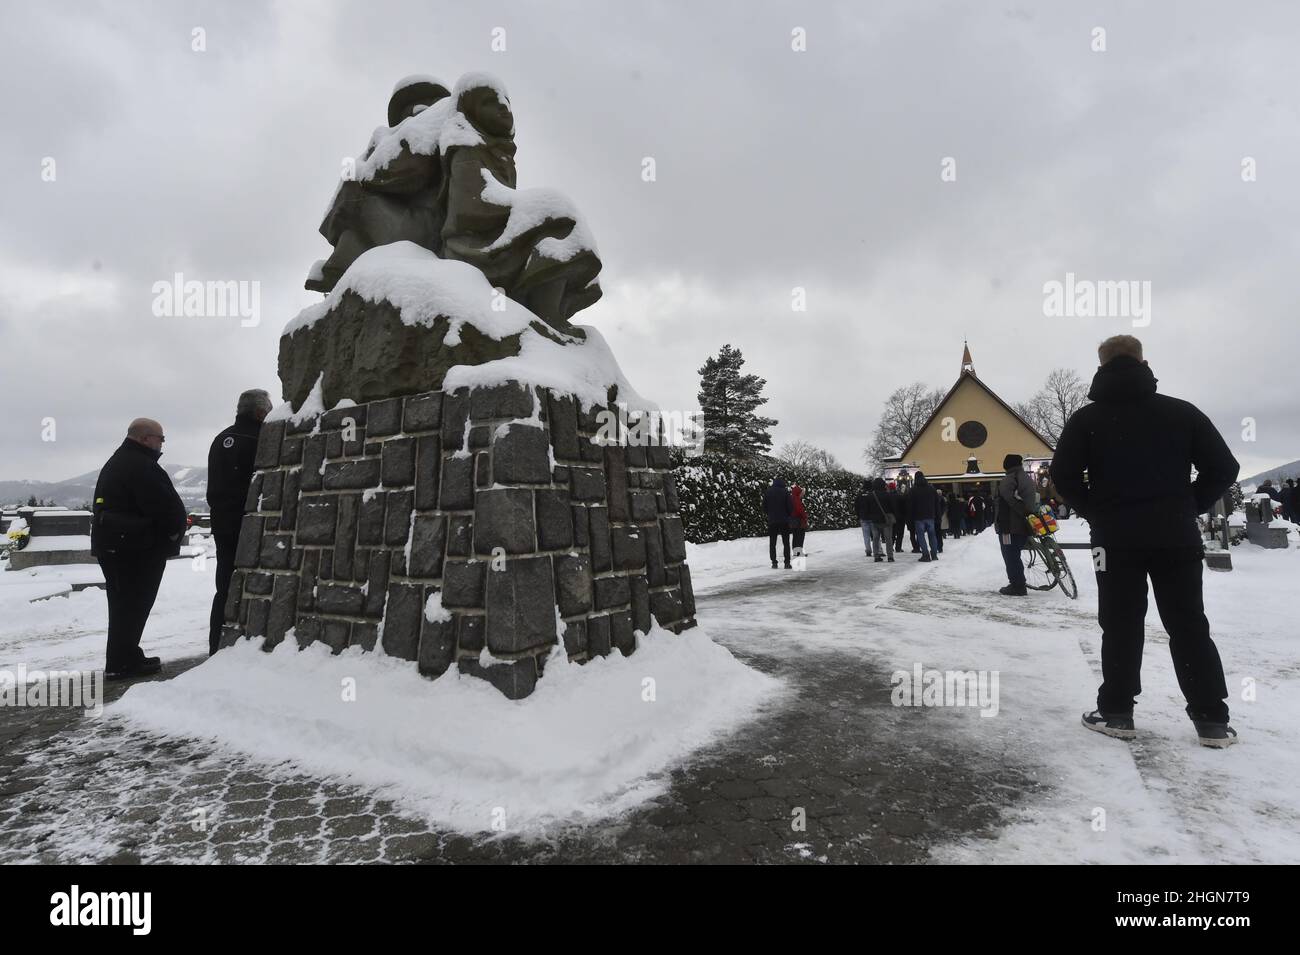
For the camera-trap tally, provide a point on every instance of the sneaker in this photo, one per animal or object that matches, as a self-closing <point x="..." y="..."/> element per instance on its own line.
<point x="1215" y="735"/>
<point x="891" y="560"/>
<point x="774" y="565"/>
<point x="787" y="566"/>
<point x="1118" y="725"/>
<point x="879" y="559"/>
<point x="1011" y="590"/>
<point x="925" y="559"/>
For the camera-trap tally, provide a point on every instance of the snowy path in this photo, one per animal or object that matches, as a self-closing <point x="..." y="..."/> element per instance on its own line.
<point x="876" y="782"/>
<point x="1161" y="798"/>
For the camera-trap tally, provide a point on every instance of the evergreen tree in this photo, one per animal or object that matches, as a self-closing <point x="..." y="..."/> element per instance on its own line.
<point x="728" y="400"/>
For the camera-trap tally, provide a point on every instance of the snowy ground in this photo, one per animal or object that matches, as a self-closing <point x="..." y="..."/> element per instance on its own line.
<point x="1086" y="797"/>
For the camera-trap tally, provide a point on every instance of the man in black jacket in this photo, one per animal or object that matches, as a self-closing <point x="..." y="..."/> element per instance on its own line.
<point x="1138" y="449"/>
<point x="138" y="523"/>
<point x="230" y="471"/>
<point x="778" y="508"/>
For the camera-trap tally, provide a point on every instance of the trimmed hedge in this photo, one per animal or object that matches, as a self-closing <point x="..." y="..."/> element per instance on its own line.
<point x="722" y="498"/>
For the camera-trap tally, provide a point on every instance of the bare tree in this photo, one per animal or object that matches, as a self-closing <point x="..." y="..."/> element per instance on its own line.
<point x="906" y="411"/>
<point x="1062" y="395"/>
<point x="804" y="456"/>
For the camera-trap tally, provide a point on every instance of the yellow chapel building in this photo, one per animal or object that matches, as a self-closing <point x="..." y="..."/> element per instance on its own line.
<point x="964" y="441"/>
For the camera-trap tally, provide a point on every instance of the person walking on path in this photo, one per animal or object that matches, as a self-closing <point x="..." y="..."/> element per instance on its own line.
<point x="798" y="519"/>
<point x="898" y="506"/>
<point x="864" y="518"/>
<point x="778" y="508"/>
<point x="879" y="523"/>
<point x="956" y="514"/>
<point x="230" y="471"/>
<point x="138" y="522"/>
<point x="922" y="507"/>
<point x="1016" y="499"/>
<point x="1138" y="449"/>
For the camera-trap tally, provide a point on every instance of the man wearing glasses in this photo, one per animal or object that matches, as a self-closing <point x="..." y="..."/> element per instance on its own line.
<point x="139" y="522"/>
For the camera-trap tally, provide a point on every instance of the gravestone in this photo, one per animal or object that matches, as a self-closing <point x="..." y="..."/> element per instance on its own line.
<point x="440" y="484"/>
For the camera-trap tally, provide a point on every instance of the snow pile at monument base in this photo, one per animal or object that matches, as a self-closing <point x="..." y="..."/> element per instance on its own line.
<point x="594" y="739"/>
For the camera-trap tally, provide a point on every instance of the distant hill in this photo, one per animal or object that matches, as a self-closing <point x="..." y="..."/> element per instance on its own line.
<point x="191" y="484"/>
<point x="1291" y="470"/>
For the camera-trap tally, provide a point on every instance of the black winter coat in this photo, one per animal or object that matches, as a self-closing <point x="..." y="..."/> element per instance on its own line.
<point x="230" y="471"/>
<point x="777" y="504"/>
<point x="133" y="483"/>
<point x="876" y="504"/>
<point x="922" y="502"/>
<point x="1138" y="449"/>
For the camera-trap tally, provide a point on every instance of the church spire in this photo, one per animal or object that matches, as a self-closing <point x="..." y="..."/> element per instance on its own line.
<point x="967" y="363"/>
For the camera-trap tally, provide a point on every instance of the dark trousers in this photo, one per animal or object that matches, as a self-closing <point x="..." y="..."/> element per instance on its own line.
<point x="796" y="541"/>
<point x="1011" y="557"/>
<point x="772" y="531"/>
<point x="1122" y="607"/>
<point x="131" y="582"/>
<point x="899" y="526"/>
<point x="226" y="544"/>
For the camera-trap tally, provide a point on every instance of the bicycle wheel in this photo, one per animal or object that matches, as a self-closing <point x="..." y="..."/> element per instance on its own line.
<point x="1064" y="576"/>
<point x="1038" y="570"/>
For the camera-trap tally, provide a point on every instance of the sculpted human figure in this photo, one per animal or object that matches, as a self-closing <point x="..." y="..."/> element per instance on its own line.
<point x="524" y="243"/>
<point x="399" y="200"/>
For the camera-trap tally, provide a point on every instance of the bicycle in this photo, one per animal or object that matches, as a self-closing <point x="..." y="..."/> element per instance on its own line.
<point x="1046" y="566"/>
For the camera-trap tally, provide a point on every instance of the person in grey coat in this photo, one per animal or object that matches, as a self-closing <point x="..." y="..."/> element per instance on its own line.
<point x="1016" y="498"/>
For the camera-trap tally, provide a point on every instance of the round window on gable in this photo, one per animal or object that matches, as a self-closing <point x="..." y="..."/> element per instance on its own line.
<point x="972" y="434"/>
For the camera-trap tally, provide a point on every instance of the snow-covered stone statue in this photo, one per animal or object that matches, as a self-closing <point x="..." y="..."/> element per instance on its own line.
<point x="442" y="175"/>
<point x="397" y="199"/>
<point x="532" y="244"/>
<point x="439" y="484"/>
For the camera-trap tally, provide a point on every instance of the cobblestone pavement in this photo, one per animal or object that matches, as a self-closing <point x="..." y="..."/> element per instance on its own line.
<point x="874" y="783"/>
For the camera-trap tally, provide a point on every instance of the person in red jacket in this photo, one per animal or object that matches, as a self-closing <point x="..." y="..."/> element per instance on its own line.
<point x="798" y="519"/>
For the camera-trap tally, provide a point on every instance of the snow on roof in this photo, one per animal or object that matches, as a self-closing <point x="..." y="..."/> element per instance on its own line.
<point x="423" y="288"/>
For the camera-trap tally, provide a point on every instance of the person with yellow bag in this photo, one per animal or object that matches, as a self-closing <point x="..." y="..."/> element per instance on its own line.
<point x="1015" y="509"/>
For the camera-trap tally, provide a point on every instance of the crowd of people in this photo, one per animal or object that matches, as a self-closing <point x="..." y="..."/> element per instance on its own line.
<point x="1285" y="496"/>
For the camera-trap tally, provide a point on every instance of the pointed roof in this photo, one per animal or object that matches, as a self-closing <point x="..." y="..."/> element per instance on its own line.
<point x="967" y="363"/>
<point x="965" y="374"/>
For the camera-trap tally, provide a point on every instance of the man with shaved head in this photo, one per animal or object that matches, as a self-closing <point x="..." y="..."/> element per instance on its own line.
<point x="139" y="522"/>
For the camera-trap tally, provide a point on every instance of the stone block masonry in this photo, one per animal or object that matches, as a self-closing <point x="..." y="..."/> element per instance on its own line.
<point x="436" y="526"/>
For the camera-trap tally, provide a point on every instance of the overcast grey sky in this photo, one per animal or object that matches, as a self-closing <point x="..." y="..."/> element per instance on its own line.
<point x="775" y="168"/>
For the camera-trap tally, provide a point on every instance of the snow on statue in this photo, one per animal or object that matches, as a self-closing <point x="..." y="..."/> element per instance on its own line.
<point x="442" y="175"/>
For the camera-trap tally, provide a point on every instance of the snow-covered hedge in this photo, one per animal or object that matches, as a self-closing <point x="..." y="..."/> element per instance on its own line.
<point x="722" y="499"/>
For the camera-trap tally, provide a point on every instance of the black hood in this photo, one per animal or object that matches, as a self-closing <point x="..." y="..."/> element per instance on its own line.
<point x="1122" y="379"/>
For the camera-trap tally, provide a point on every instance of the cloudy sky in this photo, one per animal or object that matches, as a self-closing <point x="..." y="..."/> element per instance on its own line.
<point x="776" y="168"/>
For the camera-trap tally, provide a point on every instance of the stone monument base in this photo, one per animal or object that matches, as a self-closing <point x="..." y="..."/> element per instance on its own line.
<point x="475" y="528"/>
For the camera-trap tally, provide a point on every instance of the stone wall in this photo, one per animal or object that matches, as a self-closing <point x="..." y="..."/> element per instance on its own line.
<point x="493" y="504"/>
